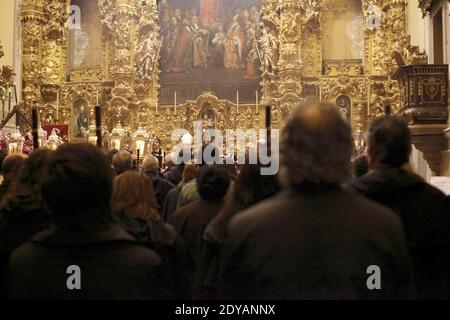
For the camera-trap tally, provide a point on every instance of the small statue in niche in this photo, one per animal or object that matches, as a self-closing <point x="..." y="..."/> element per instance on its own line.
<point x="374" y="17"/>
<point x="146" y="54"/>
<point x="343" y="103"/>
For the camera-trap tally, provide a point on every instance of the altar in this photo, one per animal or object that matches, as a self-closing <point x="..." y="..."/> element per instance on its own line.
<point x="161" y="65"/>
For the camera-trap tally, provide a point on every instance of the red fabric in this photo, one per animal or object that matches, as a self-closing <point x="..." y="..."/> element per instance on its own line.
<point x="63" y="129"/>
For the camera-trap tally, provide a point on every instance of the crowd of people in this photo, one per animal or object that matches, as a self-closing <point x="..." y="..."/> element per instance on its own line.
<point x="210" y="231"/>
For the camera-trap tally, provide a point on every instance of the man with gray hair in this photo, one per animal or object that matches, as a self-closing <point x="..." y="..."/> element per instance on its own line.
<point x="160" y="185"/>
<point x="122" y="162"/>
<point x="314" y="240"/>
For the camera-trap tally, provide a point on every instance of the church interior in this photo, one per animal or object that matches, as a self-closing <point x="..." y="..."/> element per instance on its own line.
<point x="118" y="80"/>
<point x="132" y="59"/>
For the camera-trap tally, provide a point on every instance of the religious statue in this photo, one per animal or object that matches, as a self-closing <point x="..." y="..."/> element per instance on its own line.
<point x="374" y="17"/>
<point x="269" y="48"/>
<point x="146" y="54"/>
<point x="82" y="122"/>
<point x="312" y="14"/>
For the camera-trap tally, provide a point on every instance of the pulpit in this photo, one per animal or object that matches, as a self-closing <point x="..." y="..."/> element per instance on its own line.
<point x="424" y="93"/>
<point x="424" y="99"/>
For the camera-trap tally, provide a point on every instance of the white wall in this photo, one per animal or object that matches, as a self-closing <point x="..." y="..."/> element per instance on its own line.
<point x="416" y="26"/>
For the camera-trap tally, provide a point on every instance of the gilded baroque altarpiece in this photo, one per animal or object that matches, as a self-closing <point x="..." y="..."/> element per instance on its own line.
<point x="290" y="52"/>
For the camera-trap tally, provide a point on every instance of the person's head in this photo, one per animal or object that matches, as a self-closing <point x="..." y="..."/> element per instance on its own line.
<point x="389" y="142"/>
<point x="360" y="166"/>
<point x="110" y="155"/>
<point x="251" y="187"/>
<point x="190" y="173"/>
<point x="78" y="187"/>
<point x="315" y="147"/>
<point x="213" y="182"/>
<point x="11" y="165"/>
<point x="122" y="162"/>
<point x="133" y="195"/>
<point x="168" y="161"/>
<point x="150" y="164"/>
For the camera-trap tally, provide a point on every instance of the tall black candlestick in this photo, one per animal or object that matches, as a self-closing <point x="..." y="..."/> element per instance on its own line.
<point x="34" y="123"/>
<point x="268" y="117"/>
<point x="98" y="125"/>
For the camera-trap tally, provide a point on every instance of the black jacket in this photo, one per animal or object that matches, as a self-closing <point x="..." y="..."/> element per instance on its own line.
<point x="176" y="267"/>
<point x="113" y="266"/>
<point x="24" y="218"/>
<point x="314" y="245"/>
<point x="191" y="221"/>
<point x="170" y="204"/>
<point x="161" y="187"/>
<point x="174" y="174"/>
<point x="426" y="220"/>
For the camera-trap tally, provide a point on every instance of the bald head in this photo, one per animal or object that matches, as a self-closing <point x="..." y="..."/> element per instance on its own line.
<point x="11" y="165"/>
<point x="315" y="147"/>
<point x="122" y="162"/>
<point x="150" y="164"/>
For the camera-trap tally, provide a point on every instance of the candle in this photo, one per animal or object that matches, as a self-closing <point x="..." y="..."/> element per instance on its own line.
<point x="9" y="101"/>
<point x="237" y="101"/>
<point x="97" y="98"/>
<point x="257" y="102"/>
<point x="175" y="101"/>
<point x="368" y="101"/>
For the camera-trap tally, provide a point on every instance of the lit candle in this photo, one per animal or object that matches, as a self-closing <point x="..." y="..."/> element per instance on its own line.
<point x="97" y="97"/>
<point x="368" y="101"/>
<point x="175" y="102"/>
<point x="237" y="101"/>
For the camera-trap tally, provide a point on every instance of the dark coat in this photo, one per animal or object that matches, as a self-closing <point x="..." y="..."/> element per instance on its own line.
<point x="174" y="174"/>
<point x="24" y="218"/>
<point x="113" y="266"/>
<point x="161" y="187"/>
<point x="426" y="220"/>
<point x="175" y="266"/>
<point x="170" y="204"/>
<point x="191" y="221"/>
<point x="314" y="245"/>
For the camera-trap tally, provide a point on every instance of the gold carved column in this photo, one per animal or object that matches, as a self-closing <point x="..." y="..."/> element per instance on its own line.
<point x="33" y="19"/>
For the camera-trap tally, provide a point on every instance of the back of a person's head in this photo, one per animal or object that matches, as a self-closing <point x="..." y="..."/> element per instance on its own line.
<point x="315" y="147"/>
<point x="78" y="186"/>
<point x="110" y="155"/>
<point x="133" y="194"/>
<point x="389" y="142"/>
<point x="360" y="166"/>
<point x="28" y="179"/>
<point x="150" y="164"/>
<point x="252" y="187"/>
<point x="122" y="162"/>
<point x="213" y="182"/>
<point x="190" y="172"/>
<point x="11" y="165"/>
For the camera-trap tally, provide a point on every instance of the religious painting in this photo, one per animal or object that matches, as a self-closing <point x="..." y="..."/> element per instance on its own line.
<point x="209" y="45"/>
<point x="80" y="119"/>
